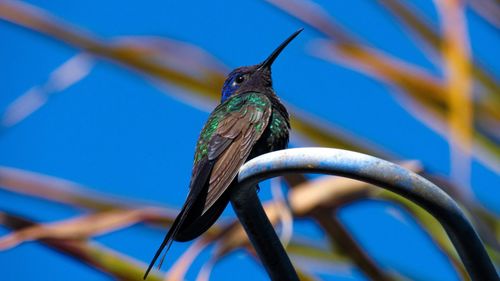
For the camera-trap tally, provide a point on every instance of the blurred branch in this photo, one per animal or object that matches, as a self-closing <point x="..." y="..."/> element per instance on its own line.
<point x="326" y="192"/>
<point x="488" y="10"/>
<point x="63" y="77"/>
<point x="305" y="200"/>
<point x="207" y="83"/>
<point x="314" y="198"/>
<point x="484" y="221"/>
<point x="419" y="26"/>
<point x="299" y="250"/>
<point x="431" y="227"/>
<point x="328" y="196"/>
<point x="321" y="192"/>
<point x="284" y="212"/>
<point x="37" y="20"/>
<point x="317" y="253"/>
<point x="332" y="193"/>
<point x="422" y="88"/>
<point x="233" y="237"/>
<point x="488" y="100"/>
<point x="183" y="263"/>
<point x="206" y="80"/>
<point x="349" y="47"/>
<point x="304" y="276"/>
<point x="457" y="68"/>
<point x="58" y="190"/>
<point x="322" y="133"/>
<point x="66" y="192"/>
<point x="81" y="227"/>
<point x="341" y="237"/>
<point x="389" y="176"/>
<point x="93" y="254"/>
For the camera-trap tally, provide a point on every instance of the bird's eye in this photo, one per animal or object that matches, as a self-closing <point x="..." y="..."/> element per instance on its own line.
<point x="239" y="79"/>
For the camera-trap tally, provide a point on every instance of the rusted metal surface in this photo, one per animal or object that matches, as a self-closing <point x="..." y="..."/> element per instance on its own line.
<point x="360" y="167"/>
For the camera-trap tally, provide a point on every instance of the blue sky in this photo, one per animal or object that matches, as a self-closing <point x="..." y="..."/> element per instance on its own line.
<point x="117" y="133"/>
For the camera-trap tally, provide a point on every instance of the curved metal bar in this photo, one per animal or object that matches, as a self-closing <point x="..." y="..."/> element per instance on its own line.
<point x="252" y="216"/>
<point x="375" y="171"/>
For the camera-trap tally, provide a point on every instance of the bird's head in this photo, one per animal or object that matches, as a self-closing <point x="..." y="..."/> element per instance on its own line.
<point x="253" y="78"/>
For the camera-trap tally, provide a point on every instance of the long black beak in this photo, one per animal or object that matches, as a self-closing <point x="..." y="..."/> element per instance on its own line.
<point x="269" y="61"/>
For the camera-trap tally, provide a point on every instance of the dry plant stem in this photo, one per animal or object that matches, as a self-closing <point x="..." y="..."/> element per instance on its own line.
<point x="352" y="188"/>
<point x="348" y="191"/>
<point x="388" y="176"/>
<point x="484" y="221"/>
<point x="416" y="23"/>
<point x="79" y="228"/>
<point x="488" y="9"/>
<point x="66" y="192"/>
<point x="362" y="55"/>
<point x="423" y="88"/>
<point x="432" y="228"/>
<point x="322" y="133"/>
<point x="40" y="21"/>
<point x="457" y="69"/>
<point x="184" y="262"/>
<point x="429" y="223"/>
<point x="341" y="237"/>
<point x="57" y="190"/>
<point x="34" y="19"/>
<point x="93" y="254"/>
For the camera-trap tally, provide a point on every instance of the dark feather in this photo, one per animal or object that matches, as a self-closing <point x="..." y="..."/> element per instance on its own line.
<point x="237" y="130"/>
<point x="202" y="171"/>
<point x="204" y="222"/>
<point x="242" y="133"/>
<point x="229" y="147"/>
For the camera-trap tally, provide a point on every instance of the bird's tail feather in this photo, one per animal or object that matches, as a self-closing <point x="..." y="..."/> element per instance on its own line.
<point x="167" y="241"/>
<point x="198" y="189"/>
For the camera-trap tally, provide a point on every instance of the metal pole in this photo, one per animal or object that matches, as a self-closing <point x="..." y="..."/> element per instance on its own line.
<point x="261" y="233"/>
<point x="360" y="167"/>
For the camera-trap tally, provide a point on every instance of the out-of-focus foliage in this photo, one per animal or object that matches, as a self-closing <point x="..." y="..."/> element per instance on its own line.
<point x="463" y="106"/>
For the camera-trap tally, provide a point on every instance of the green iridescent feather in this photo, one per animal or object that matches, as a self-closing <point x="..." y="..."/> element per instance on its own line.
<point x="235" y="103"/>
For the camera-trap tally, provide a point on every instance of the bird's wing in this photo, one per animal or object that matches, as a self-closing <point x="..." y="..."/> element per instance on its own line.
<point x="223" y="146"/>
<point x="246" y="117"/>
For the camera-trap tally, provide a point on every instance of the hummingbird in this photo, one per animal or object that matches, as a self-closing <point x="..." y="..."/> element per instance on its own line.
<point x="249" y="121"/>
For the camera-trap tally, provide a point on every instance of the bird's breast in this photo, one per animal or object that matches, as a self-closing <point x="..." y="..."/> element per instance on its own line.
<point x="275" y="136"/>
